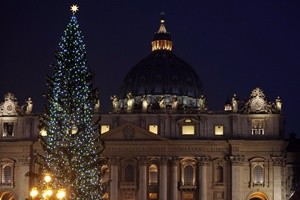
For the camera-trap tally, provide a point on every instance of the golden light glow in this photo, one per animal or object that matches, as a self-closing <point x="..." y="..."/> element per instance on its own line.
<point x="153" y="129"/>
<point x="104" y="129"/>
<point x="162" y="45"/>
<point x="47" y="178"/>
<point x="43" y="132"/>
<point x="74" y="129"/>
<point x="74" y="8"/>
<point x="34" y="192"/>
<point x="47" y="193"/>
<point x="61" y="194"/>
<point x="219" y="130"/>
<point x="188" y="130"/>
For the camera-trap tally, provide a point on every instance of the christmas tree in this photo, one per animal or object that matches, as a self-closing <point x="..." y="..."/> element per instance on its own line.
<point x="70" y="136"/>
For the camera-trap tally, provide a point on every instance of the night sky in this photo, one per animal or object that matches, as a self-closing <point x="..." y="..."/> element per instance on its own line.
<point x="234" y="46"/>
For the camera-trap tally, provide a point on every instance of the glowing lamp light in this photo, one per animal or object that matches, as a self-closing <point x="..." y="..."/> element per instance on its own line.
<point x="34" y="192"/>
<point x="47" y="193"/>
<point x="43" y="132"/>
<point x="61" y="194"/>
<point x="74" y="129"/>
<point x="47" y="178"/>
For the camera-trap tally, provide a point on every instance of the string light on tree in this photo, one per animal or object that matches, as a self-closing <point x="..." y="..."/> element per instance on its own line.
<point x="69" y="135"/>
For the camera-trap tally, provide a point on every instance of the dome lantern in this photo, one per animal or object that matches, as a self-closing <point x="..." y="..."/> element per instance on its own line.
<point x="162" y="38"/>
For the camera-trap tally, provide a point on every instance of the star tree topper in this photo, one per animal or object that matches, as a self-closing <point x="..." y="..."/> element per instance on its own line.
<point x="74" y="8"/>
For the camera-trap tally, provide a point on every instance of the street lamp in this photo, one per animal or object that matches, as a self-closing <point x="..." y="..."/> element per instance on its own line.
<point x="46" y="194"/>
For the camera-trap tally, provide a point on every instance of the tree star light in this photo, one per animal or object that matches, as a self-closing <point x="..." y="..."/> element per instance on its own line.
<point x="74" y="8"/>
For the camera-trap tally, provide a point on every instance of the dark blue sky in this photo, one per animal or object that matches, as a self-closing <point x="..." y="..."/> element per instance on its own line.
<point x="234" y="46"/>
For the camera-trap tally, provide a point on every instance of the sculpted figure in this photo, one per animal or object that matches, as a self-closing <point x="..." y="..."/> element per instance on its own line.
<point x="97" y="102"/>
<point x="162" y="102"/>
<point x="202" y="103"/>
<point x="29" y="106"/>
<point x="145" y="103"/>
<point x="115" y="102"/>
<point x="278" y="104"/>
<point x="234" y="103"/>
<point x="175" y="103"/>
<point x="130" y="101"/>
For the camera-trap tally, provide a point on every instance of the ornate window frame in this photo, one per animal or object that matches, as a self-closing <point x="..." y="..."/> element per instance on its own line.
<point x="4" y="163"/>
<point x="188" y="162"/>
<point x="5" y="122"/>
<point x="258" y="126"/>
<point x="255" y="163"/>
<point x="218" y="175"/>
<point x="188" y="123"/>
<point x="153" y="174"/>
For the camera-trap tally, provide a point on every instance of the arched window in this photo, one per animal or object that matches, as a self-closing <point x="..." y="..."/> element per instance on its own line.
<point x="129" y="173"/>
<point x="219" y="174"/>
<point x="153" y="174"/>
<point x="6" y="174"/>
<point x="258" y="174"/>
<point x="188" y="175"/>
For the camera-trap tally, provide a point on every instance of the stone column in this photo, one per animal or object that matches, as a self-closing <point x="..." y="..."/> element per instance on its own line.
<point x="277" y="179"/>
<point x="142" y="178"/>
<point x="174" y="178"/>
<point x="236" y="165"/>
<point x="163" y="179"/>
<point x="202" y="176"/>
<point x="114" y="176"/>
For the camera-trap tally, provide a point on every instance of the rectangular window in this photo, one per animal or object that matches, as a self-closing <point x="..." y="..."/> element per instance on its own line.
<point x="258" y="131"/>
<point x="153" y="129"/>
<point x="188" y="130"/>
<point x="104" y="129"/>
<point x="219" y="130"/>
<point x="153" y="196"/>
<point x="258" y="127"/>
<point x="8" y="129"/>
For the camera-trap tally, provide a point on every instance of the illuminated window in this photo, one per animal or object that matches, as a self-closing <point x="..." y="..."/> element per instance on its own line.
<point x="104" y="128"/>
<point x="105" y="195"/>
<point x="258" y="130"/>
<point x="258" y="175"/>
<point x="153" y="196"/>
<point x="153" y="129"/>
<point x="6" y="174"/>
<point x="188" y="174"/>
<point x="8" y="129"/>
<point x="219" y="130"/>
<point x="188" y="130"/>
<point x="188" y="121"/>
<point x="258" y="127"/>
<point x="188" y="195"/>
<point x="153" y="175"/>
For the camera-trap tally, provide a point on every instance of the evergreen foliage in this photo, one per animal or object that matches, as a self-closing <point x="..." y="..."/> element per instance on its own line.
<point x="72" y="144"/>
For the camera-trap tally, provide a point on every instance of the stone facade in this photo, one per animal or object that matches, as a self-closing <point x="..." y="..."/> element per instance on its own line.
<point x="169" y="161"/>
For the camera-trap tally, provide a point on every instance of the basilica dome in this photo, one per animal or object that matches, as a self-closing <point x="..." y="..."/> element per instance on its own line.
<point x="161" y="75"/>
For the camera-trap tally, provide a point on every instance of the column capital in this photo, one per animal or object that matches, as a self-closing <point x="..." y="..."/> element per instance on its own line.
<point x="175" y="160"/>
<point x="114" y="160"/>
<point x="142" y="160"/>
<point x="163" y="160"/>
<point x="278" y="160"/>
<point x="237" y="160"/>
<point x="203" y="160"/>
